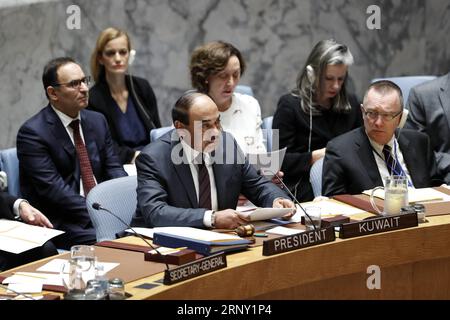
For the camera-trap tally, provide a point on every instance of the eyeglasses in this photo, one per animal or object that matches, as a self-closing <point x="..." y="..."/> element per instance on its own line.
<point x="75" y="84"/>
<point x="112" y="53"/>
<point x="373" y="115"/>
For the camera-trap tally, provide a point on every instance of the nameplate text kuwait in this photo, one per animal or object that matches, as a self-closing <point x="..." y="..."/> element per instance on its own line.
<point x="377" y="225"/>
<point x="298" y="241"/>
<point x="196" y="268"/>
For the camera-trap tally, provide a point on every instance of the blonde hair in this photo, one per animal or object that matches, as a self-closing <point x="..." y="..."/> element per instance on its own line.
<point x="105" y="36"/>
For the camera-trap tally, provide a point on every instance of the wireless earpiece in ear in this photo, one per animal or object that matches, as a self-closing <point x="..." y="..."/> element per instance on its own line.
<point x="131" y="57"/>
<point x="310" y="73"/>
<point x="403" y="118"/>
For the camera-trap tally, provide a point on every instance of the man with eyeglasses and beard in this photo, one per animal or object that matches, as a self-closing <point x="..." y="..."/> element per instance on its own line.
<point x="64" y="151"/>
<point x="360" y="159"/>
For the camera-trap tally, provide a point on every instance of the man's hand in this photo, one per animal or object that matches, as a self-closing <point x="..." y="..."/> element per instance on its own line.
<point x="33" y="216"/>
<point x="284" y="203"/>
<point x="229" y="219"/>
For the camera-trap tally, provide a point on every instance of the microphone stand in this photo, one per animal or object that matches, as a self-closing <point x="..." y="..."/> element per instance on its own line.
<point x="291" y="195"/>
<point x="97" y="206"/>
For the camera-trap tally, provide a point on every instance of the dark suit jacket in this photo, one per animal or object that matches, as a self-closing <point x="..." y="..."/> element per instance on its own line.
<point x="100" y="100"/>
<point x="350" y="167"/>
<point x="166" y="192"/>
<point x="293" y="125"/>
<point x="49" y="169"/>
<point x="429" y="112"/>
<point x="6" y="205"/>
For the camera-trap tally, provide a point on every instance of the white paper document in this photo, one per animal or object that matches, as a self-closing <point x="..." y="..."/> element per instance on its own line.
<point x="265" y="213"/>
<point x="416" y="195"/>
<point x="284" y="231"/>
<point x="36" y="277"/>
<point x="267" y="163"/>
<point x="25" y="287"/>
<point x="130" y="169"/>
<point x="55" y="265"/>
<point x="17" y="237"/>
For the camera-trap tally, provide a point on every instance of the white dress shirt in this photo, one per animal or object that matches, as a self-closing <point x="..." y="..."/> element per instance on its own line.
<point x="243" y="120"/>
<point x="193" y="156"/>
<point x="377" y="150"/>
<point x="66" y="121"/>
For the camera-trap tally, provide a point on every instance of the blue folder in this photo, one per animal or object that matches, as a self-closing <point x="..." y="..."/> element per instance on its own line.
<point x="203" y="247"/>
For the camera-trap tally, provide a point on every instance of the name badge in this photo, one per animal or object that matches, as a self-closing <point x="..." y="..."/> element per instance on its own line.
<point x="298" y="241"/>
<point x="377" y="225"/>
<point x="196" y="268"/>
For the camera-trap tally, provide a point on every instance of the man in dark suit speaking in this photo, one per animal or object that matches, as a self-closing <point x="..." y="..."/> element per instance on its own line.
<point x="360" y="159"/>
<point x="193" y="175"/>
<point x="64" y="151"/>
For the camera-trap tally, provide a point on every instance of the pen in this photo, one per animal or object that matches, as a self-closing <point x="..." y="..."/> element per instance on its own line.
<point x="261" y="235"/>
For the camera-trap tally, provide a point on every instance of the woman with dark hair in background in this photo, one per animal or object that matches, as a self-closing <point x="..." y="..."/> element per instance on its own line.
<point x="316" y="111"/>
<point x="128" y="102"/>
<point x="216" y="69"/>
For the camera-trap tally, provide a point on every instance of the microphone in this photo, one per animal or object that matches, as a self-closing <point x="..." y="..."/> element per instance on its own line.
<point x="97" y="206"/>
<point x="261" y="171"/>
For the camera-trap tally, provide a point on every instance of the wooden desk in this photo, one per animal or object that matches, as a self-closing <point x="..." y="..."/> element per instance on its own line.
<point x="414" y="263"/>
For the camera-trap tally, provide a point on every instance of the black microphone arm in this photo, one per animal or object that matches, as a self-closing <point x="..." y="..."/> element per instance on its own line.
<point x="97" y="206"/>
<point x="290" y="194"/>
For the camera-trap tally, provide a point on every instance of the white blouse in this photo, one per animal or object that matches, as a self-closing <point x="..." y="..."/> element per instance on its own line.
<point x="243" y="120"/>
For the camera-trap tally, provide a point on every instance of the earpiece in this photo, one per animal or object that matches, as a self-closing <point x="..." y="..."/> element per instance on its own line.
<point x="131" y="57"/>
<point x="403" y="118"/>
<point x="310" y="73"/>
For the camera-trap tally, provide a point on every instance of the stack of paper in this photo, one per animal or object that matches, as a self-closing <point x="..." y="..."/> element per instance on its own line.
<point x="17" y="237"/>
<point x="416" y="195"/>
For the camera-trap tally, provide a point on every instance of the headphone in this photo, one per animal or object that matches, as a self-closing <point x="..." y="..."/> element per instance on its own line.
<point x="310" y="74"/>
<point x="403" y="119"/>
<point x="131" y="57"/>
<point x="311" y="78"/>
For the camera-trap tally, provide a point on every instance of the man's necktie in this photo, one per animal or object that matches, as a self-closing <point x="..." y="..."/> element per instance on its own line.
<point x="204" y="190"/>
<point x="392" y="164"/>
<point x="87" y="175"/>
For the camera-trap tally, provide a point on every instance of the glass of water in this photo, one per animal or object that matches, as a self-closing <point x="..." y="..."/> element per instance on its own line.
<point x="313" y="221"/>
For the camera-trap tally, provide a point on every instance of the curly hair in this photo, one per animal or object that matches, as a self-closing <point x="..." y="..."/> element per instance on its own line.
<point x="210" y="59"/>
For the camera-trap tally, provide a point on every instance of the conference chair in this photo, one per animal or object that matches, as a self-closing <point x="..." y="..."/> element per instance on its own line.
<point x="244" y="90"/>
<point x="10" y="165"/>
<point x="315" y="177"/>
<point x="267" y="132"/>
<point x="158" y="132"/>
<point x="118" y="196"/>
<point x="406" y="83"/>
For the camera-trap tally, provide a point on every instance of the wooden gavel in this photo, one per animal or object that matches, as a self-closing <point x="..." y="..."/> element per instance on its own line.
<point x="245" y="231"/>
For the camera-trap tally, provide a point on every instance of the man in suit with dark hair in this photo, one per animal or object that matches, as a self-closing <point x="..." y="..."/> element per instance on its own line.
<point x="362" y="158"/>
<point x="429" y="112"/>
<point x="64" y="151"/>
<point x="193" y="175"/>
<point x="12" y="208"/>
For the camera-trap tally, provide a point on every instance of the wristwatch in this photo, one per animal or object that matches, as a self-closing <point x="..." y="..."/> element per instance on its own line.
<point x="213" y="219"/>
<point x="16" y="213"/>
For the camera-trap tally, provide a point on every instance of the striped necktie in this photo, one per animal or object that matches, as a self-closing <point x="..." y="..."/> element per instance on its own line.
<point x="392" y="164"/>
<point x="87" y="175"/>
<point x="204" y="190"/>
